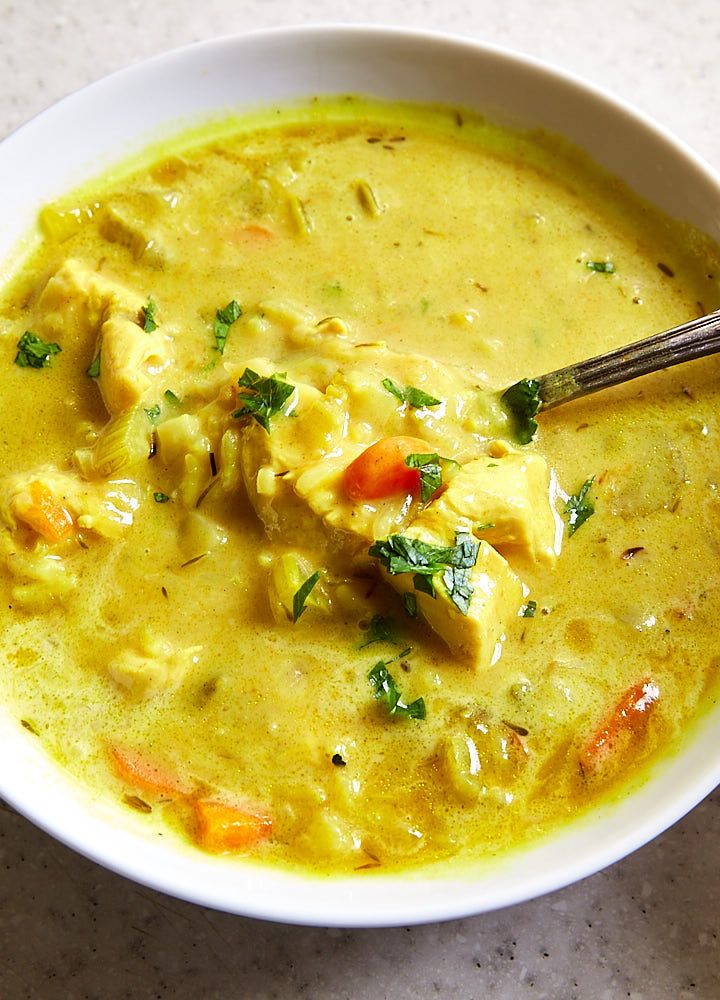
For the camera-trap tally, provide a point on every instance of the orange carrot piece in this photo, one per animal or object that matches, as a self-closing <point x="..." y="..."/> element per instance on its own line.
<point x="45" y="514"/>
<point x="140" y="772"/>
<point x="257" y="232"/>
<point x="250" y="234"/>
<point x="222" y="828"/>
<point x="630" y="716"/>
<point x="380" y="470"/>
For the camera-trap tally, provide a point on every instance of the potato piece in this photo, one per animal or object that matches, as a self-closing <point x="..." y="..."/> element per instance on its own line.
<point x="481" y="759"/>
<point x="130" y="360"/>
<point x="329" y="835"/>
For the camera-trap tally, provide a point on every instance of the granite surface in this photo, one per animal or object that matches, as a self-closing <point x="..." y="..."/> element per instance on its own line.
<point x="645" y="929"/>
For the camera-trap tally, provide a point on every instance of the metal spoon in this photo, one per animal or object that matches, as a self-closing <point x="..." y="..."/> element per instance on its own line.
<point x="528" y="397"/>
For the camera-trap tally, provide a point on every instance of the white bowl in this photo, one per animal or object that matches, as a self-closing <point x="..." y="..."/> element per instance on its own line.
<point x="76" y="140"/>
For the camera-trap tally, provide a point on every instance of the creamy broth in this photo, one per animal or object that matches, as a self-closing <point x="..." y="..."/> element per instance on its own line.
<point x="161" y="531"/>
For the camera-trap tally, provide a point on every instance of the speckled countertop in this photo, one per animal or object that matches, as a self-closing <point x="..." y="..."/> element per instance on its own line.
<point x="647" y="928"/>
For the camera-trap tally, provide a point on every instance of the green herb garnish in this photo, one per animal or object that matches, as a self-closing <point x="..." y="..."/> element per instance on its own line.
<point x="302" y="593"/>
<point x="424" y="584"/>
<point x="32" y="352"/>
<point x="160" y="497"/>
<point x="410" y="604"/>
<point x="430" y="473"/>
<point x="379" y="630"/>
<point x="385" y="689"/>
<point x="94" y="369"/>
<point x="529" y="610"/>
<point x="170" y="398"/>
<point x="521" y="402"/>
<point x="601" y="266"/>
<point x="153" y="413"/>
<point x="409" y="394"/>
<point x="264" y="397"/>
<point x="400" y="554"/>
<point x="147" y="314"/>
<point x="460" y="590"/>
<point x="224" y="319"/>
<point x="578" y="508"/>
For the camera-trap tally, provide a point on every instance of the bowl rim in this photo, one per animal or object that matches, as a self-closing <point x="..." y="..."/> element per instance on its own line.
<point x="404" y="898"/>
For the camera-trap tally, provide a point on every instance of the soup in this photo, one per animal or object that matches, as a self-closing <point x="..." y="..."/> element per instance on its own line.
<point x="278" y="575"/>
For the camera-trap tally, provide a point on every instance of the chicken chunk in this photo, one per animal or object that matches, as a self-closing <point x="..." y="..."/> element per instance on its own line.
<point x="509" y="497"/>
<point x="155" y="666"/>
<point x="103" y="509"/>
<point x="473" y="627"/>
<point x="130" y="359"/>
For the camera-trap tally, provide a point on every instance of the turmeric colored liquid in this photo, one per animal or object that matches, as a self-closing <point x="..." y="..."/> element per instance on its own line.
<point x="438" y="236"/>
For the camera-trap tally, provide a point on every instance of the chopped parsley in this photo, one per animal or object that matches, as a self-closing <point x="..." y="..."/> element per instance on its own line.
<point x="32" y="352"/>
<point x="529" y="610"/>
<point x="400" y="554"/>
<point x="302" y="593"/>
<point x="148" y="317"/>
<point x="263" y="396"/>
<point x="385" y="689"/>
<point x="410" y="604"/>
<point x="424" y="584"/>
<point x="460" y="590"/>
<point x="409" y="394"/>
<point x="94" y="368"/>
<point x="578" y="507"/>
<point x="170" y="398"/>
<point x="431" y="470"/>
<point x="380" y="630"/>
<point x="521" y="402"/>
<point x="153" y="413"/>
<point x="224" y="319"/>
<point x="160" y="497"/>
<point x="601" y="266"/>
<point x="430" y="473"/>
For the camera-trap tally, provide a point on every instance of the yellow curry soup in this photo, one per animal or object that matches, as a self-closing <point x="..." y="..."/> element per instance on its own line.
<point x="277" y="574"/>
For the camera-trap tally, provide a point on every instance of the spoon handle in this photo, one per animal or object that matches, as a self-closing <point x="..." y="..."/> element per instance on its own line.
<point x="691" y="340"/>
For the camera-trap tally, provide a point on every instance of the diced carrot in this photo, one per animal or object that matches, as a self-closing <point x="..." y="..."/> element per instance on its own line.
<point x="251" y="233"/>
<point x="629" y="717"/>
<point x="221" y="828"/>
<point x="380" y="470"/>
<point x="139" y="771"/>
<point x="44" y="513"/>
<point x="257" y="231"/>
